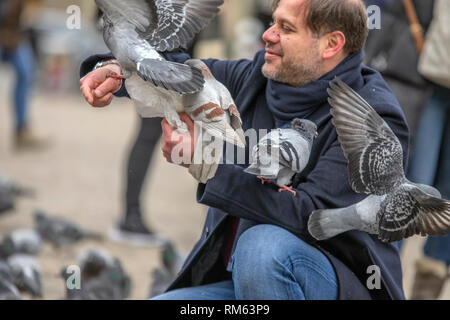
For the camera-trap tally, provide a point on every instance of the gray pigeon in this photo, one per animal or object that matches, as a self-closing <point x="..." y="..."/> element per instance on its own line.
<point x="172" y="261"/>
<point x="8" y="290"/>
<point x="9" y="191"/>
<point x="102" y="278"/>
<point x="283" y="152"/>
<point x="26" y="274"/>
<point x="26" y="241"/>
<point x="396" y="208"/>
<point x="60" y="232"/>
<point x="136" y="31"/>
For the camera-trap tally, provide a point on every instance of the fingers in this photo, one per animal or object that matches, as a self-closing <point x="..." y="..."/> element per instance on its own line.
<point x="98" y="88"/>
<point x="176" y="145"/>
<point x="110" y="85"/>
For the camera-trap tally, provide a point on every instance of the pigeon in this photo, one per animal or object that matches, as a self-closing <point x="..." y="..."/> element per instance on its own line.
<point x="26" y="241"/>
<point x="171" y="258"/>
<point x="136" y="31"/>
<point x="26" y="274"/>
<point x="60" y="232"/>
<point x="396" y="207"/>
<point x="172" y="262"/>
<point x="9" y="191"/>
<point x="8" y="290"/>
<point x="102" y="278"/>
<point x="283" y="152"/>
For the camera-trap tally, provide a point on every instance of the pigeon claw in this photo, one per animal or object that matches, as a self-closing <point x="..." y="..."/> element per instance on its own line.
<point x="290" y="189"/>
<point x="264" y="180"/>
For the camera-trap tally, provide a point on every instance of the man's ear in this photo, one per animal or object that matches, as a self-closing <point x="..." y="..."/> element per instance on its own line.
<point x="332" y="44"/>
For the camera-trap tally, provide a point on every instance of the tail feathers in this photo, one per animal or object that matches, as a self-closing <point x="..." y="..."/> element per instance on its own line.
<point x="253" y="169"/>
<point x="325" y="224"/>
<point x="224" y="131"/>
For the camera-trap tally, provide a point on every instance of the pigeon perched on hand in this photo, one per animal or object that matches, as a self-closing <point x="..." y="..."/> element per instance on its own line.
<point x="61" y="232"/>
<point x="396" y="208"/>
<point x="136" y="31"/>
<point x="283" y="152"/>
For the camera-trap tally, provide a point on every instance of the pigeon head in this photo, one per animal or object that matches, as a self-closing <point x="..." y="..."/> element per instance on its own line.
<point x="307" y="128"/>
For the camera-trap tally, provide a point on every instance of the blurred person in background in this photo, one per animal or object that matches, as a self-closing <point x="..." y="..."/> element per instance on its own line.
<point x="430" y="157"/>
<point x="255" y="243"/>
<point x="16" y="49"/>
<point x="393" y="52"/>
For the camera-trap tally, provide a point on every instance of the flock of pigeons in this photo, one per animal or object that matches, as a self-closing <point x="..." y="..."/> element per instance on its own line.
<point x="136" y="31"/>
<point x="101" y="276"/>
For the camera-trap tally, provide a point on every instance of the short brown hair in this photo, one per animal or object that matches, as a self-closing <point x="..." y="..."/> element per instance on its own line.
<point x="347" y="16"/>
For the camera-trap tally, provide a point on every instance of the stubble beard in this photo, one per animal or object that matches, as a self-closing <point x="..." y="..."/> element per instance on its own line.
<point x="296" y="71"/>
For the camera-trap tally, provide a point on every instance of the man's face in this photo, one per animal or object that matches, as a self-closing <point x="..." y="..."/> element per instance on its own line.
<point x="292" y="51"/>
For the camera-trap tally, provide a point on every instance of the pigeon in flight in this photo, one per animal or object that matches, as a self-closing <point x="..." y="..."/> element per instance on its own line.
<point x="396" y="208"/>
<point x="283" y="152"/>
<point x="136" y="31"/>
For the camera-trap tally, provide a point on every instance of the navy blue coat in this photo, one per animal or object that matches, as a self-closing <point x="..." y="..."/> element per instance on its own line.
<point x="265" y="104"/>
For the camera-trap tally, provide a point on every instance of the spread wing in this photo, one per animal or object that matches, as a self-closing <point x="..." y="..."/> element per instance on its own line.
<point x="374" y="153"/>
<point x="409" y="212"/>
<point x="165" y="24"/>
<point x="178" y="21"/>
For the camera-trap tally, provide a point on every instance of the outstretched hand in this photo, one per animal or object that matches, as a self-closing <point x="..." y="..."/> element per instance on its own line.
<point x="98" y="87"/>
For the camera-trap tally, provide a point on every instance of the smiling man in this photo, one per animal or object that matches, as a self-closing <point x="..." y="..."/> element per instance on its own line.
<point x="255" y="242"/>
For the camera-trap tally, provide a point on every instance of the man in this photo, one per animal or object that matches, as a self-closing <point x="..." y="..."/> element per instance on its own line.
<point x="255" y="243"/>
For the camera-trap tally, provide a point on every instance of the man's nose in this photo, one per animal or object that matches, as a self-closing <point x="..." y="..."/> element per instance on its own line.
<point x="271" y="35"/>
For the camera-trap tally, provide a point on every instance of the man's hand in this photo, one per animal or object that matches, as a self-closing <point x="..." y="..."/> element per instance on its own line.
<point x="178" y="148"/>
<point x="98" y="87"/>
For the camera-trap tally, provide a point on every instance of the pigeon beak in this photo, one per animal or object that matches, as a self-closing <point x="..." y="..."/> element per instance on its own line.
<point x="316" y="134"/>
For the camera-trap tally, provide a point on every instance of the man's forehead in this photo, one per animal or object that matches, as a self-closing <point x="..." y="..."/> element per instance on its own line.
<point x="291" y="10"/>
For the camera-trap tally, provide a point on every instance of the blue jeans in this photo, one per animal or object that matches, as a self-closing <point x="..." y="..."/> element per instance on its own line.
<point x="269" y="263"/>
<point x="430" y="162"/>
<point x="22" y="60"/>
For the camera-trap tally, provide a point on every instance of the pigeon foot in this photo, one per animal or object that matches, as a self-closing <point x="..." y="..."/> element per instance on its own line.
<point x="290" y="189"/>
<point x="264" y="180"/>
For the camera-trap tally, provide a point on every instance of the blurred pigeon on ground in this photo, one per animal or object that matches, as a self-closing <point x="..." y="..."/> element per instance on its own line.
<point x="26" y="241"/>
<point x="397" y="207"/>
<point x="26" y="274"/>
<point x="135" y="31"/>
<point x="102" y="278"/>
<point x="9" y="191"/>
<point x="171" y="258"/>
<point x="283" y="152"/>
<point x="8" y="290"/>
<point x="172" y="262"/>
<point x="61" y="232"/>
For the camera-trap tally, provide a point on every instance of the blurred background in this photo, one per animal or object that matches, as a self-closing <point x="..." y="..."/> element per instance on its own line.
<point x="61" y="159"/>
